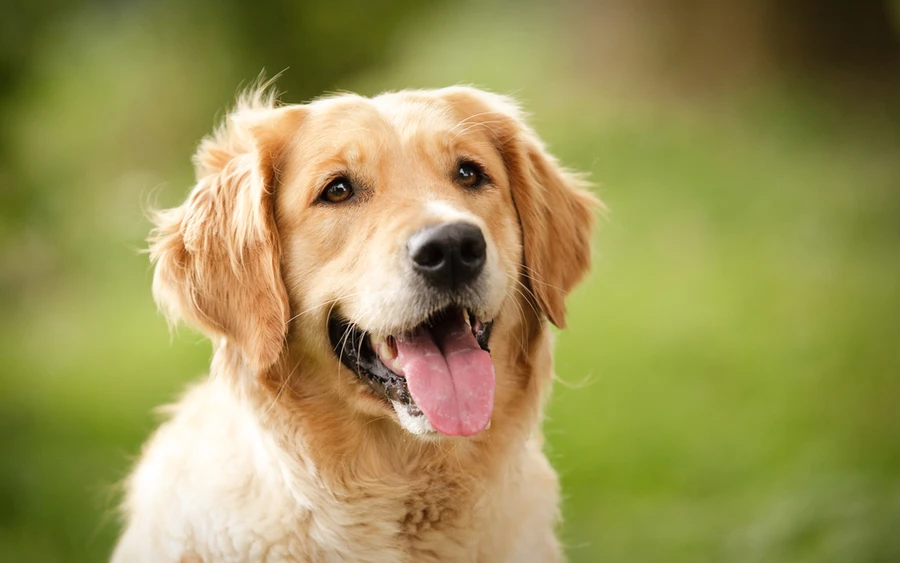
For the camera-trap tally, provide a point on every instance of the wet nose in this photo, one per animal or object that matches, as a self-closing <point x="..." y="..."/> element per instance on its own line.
<point x="448" y="255"/>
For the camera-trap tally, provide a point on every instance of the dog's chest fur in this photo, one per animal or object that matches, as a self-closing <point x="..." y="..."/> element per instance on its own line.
<point x="271" y="503"/>
<point x="418" y="524"/>
<point x="443" y="520"/>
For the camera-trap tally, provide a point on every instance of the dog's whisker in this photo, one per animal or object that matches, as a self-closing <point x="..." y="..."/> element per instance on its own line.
<point x="484" y="124"/>
<point x="521" y="336"/>
<point x="332" y="301"/>
<point x="359" y="348"/>
<point x="526" y="294"/>
<point x="535" y="277"/>
<point x="281" y="388"/>
<point x="376" y="419"/>
<point x="343" y="343"/>
<point x="340" y="363"/>
<point x="470" y="119"/>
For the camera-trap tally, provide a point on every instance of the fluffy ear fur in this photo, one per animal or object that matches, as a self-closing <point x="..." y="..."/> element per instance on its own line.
<point x="217" y="255"/>
<point x="555" y="210"/>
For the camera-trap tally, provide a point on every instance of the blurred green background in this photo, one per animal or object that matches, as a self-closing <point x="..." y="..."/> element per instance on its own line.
<point x="729" y="390"/>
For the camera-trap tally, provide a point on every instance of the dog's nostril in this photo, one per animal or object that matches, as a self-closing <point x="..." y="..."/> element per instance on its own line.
<point x="429" y="255"/>
<point x="471" y="251"/>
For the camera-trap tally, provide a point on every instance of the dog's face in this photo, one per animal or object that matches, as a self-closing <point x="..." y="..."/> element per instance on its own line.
<point x="397" y="214"/>
<point x="395" y="236"/>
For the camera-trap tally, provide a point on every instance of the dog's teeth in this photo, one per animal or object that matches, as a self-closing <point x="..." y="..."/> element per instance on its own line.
<point x="386" y="351"/>
<point x="383" y="348"/>
<point x="394" y="366"/>
<point x="467" y="318"/>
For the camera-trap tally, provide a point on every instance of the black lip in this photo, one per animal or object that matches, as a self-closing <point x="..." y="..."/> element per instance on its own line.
<point x="352" y="346"/>
<point x="354" y="350"/>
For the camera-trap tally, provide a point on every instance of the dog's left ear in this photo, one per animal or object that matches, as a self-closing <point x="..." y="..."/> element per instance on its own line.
<point x="555" y="209"/>
<point x="218" y="257"/>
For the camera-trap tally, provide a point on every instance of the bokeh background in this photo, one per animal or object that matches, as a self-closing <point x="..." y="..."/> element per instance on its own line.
<point x="729" y="390"/>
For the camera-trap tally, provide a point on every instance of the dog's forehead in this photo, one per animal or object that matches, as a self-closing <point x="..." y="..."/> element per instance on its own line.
<point x="410" y="114"/>
<point x="407" y="115"/>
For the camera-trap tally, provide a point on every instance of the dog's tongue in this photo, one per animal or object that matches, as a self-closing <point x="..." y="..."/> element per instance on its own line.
<point x="449" y="376"/>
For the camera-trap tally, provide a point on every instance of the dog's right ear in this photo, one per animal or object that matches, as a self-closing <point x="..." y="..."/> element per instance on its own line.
<point x="218" y="255"/>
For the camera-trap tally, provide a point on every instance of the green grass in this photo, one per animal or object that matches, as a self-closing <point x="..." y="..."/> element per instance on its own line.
<point x="740" y="342"/>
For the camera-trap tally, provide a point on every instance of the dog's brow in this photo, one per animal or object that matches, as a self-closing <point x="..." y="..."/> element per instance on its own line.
<point x="411" y="117"/>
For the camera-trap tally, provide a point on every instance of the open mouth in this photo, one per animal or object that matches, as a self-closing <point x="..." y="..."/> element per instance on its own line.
<point x="440" y="370"/>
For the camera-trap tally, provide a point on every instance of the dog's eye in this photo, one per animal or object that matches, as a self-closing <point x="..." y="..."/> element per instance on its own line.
<point x="470" y="175"/>
<point x="338" y="190"/>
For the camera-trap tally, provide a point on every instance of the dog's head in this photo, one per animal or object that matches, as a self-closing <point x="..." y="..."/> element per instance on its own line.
<point x="403" y="236"/>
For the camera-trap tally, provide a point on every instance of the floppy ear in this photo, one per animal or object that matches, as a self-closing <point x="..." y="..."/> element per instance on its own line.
<point x="217" y="255"/>
<point x="557" y="216"/>
<point x="555" y="209"/>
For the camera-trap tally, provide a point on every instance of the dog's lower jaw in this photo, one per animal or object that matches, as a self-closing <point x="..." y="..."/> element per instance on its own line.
<point x="417" y="424"/>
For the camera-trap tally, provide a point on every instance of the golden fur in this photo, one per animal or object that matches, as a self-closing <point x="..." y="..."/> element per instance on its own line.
<point x="283" y="454"/>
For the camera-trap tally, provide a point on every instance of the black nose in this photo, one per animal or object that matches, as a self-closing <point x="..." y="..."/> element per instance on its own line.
<point x="448" y="254"/>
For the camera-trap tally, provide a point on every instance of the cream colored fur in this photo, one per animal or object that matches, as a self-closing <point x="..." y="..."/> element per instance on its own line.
<point x="282" y="454"/>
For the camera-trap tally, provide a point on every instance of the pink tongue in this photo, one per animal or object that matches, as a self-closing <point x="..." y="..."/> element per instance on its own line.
<point x="449" y="376"/>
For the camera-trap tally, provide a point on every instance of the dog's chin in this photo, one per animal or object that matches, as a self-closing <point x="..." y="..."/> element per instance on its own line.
<point x="379" y="364"/>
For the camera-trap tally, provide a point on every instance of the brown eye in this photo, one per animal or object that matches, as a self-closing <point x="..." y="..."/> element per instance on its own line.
<point x="470" y="175"/>
<point x="337" y="191"/>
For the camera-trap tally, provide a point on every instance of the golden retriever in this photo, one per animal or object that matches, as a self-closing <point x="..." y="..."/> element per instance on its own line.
<point x="377" y="276"/>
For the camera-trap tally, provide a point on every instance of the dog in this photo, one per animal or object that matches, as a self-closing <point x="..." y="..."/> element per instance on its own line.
<point x="378" y="277"/>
